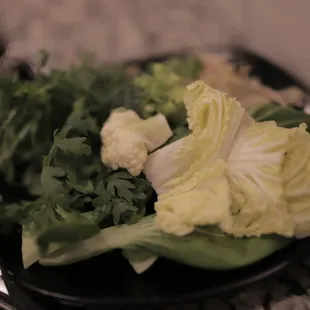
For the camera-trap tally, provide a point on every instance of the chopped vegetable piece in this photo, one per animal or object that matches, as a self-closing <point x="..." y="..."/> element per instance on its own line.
<point x="295" y="174"/>
<point x="228" y="171"/>
<point x="127" y="139"/>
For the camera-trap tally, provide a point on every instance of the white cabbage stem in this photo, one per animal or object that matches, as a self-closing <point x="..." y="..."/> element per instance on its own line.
<point x="207" y="247"/>
<point x="115" y="237"/>
<point x="127" y="139"/>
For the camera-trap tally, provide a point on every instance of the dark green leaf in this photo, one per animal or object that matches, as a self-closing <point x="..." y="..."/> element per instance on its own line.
<point x="81" y="120"/>
<point x="77" y="202"/>
<point x="119" y="183"/>
<point x="101" y="200"/>
<point x="121" y="186"/>
<point x="140" y="196"/>
<point x="66" y="233"/>
<point x="100" y="188"/>
<point x="85" y="187"/>
<point x="120" y="207"/>
<point x="50" y="184"/>
<point x="74" y="145"/>
<point x="259" y="111"/>
<point x="125" y="193"/>
<point x="108" y="207"/>
<point x="50" y="115"/>
<point x="283" y="116"/>
<point x="288" y="117"/>
<point x="123" y="175"/>
<point x="11" y="212"/>
<point x="111" y="189"/>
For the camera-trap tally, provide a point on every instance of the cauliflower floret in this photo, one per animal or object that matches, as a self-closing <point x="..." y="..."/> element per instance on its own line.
<point x="116" y="155"/>
<point x="127" y="139"/>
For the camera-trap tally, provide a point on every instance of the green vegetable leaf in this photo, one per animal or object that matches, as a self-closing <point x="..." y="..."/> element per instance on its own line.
<point x="51" y="225"/>
<point x="48" y="128"/>
<point x="49" y="181"/>
<point x="116" y="183"/>
<point x="101" y="200"/>
<point x="66" y="233"/>
<point x="121" y="206"/>
<point x="186" y="67"/>
<point x="258" y="112"/>
<point x="74" y="145"/>
<point x="81" y="120"/>
<point x="123" y="191"/>
<point x="163" y="88"/>
<point x="207" y="247"/>
<point x="284" y="116"/>
<point x="85" y="187"/>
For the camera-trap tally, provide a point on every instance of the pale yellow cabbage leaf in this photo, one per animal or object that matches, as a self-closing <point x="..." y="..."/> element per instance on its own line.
<point x="228" y="171"/>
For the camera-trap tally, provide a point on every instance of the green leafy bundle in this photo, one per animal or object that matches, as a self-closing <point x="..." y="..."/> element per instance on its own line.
<point x="75" y="188"/>
<point x="50" y="145"/>
<point x="163" y="86"/>
<point x="31" y="111"/>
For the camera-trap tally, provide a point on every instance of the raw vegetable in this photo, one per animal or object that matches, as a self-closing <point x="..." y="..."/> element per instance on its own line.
<point x="287" y="117"/>
<point x="164" y="85"/>
<point x="206" y="247"/>
<point x="31" y="111"/>
<point x="165" y="81"/>
<point x="59" y="116"/>
<point x="79" y="195"/>
<point x="75" y="199"/>
<point x="227" y="163"/>
<point x="127" y="139"/>
<point x="72" y="194"/>
<point x="296" y="179"/>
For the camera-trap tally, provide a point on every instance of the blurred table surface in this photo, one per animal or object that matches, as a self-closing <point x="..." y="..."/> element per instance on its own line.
<point x="121" y="29"/>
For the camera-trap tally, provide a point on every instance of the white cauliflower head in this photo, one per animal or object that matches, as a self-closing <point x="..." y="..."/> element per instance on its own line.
<point x="127" y="139"/>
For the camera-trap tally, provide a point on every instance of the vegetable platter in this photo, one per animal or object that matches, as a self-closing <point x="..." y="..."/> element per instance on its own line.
<point x="153" y="183"/>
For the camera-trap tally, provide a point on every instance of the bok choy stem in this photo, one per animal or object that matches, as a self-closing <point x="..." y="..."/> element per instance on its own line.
<point x="207" y="247"/>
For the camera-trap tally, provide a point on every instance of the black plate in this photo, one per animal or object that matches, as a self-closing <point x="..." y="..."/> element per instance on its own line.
<point x="108" y="280"/>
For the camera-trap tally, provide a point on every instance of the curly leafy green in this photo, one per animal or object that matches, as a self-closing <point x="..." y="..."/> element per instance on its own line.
<point x="163" y="87"/>
<point x="50" y="146"/>
<point x="78" y="194"/>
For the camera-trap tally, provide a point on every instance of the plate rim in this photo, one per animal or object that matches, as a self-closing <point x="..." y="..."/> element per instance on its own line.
<point x="287" y="256"/>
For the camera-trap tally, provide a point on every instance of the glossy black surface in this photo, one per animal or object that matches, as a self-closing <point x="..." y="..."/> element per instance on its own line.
<point x="109" y="280"/>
